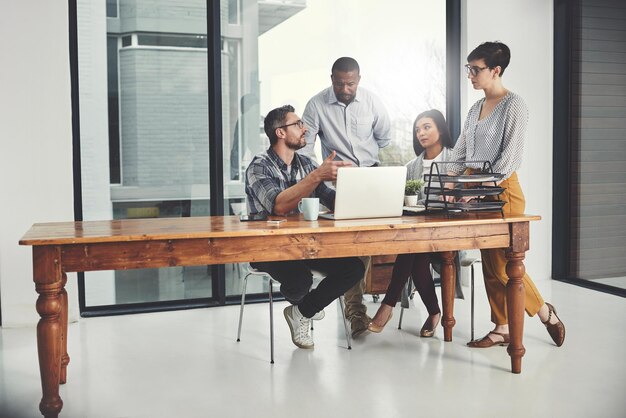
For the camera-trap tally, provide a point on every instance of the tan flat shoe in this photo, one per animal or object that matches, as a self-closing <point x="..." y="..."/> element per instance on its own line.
<point x="428" y="329"/>
<point x="378" y="328"/>
<point x="556" y="331"/>
<point x="487" y="342"/>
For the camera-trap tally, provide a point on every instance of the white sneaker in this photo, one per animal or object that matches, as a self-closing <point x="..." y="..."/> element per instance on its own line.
<point x="299" y="326"/>
<point x="319" y="316"/>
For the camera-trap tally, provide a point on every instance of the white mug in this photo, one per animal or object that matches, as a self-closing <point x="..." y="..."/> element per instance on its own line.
<point x="310" y="207"/>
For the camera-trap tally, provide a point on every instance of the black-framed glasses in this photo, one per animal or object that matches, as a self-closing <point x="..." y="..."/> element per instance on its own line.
<point x="298" y="123"/>
<point x="473" y="69"/>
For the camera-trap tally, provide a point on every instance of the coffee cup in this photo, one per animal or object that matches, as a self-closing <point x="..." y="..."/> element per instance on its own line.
<point x="310" y="207"/>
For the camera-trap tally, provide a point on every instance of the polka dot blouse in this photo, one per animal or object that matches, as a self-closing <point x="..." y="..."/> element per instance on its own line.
<point x="498" y="138"/>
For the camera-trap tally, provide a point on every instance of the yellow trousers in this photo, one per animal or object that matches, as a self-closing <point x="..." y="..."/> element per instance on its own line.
<point x="494" y="263"/>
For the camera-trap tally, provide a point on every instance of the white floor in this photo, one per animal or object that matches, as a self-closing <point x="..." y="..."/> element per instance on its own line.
<point x="188" y="364"/>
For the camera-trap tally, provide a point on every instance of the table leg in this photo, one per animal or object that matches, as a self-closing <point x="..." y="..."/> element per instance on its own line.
<point x="49" y="283"/>
<point x="447" y="293"/>
<point x="49" y="346"/>
<point x="65" y="358"/>
<point x="515" y="307"/>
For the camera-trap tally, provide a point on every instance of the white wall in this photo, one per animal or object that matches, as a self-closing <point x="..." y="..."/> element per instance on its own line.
<point x="36" y="137"/>
<point x="35" y="143"/>
<point x="526" y="26"/>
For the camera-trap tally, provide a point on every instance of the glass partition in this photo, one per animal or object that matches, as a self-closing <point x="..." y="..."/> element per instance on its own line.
<point x="144" y="89"/>
<point x="274" y="53"/>
<point x="144" y="131"/>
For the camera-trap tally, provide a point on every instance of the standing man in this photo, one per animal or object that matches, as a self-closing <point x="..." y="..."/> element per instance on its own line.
<point x="276" y="181"/>
<point x="353" y="123"/>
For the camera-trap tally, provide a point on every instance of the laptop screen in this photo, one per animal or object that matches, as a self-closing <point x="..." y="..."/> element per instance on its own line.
<point x="369" y="192"/>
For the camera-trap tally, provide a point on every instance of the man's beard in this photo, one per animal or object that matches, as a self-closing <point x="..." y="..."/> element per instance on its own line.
<point x="296" y="145"/>
<point x="346" y="98"/>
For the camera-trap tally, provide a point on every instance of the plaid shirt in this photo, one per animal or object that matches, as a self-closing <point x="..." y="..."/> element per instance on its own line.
<point x="267" y="177"/>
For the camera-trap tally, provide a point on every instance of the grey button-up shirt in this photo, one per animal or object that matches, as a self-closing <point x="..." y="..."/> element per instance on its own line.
<point x="356" y="131"/>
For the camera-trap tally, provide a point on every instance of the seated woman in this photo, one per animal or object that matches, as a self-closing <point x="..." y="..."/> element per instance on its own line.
<point x="431" y="142"/>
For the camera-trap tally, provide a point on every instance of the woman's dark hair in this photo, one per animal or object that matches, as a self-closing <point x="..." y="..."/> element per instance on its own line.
<point x="275" y="119"/>
<point x="494" y="53"/>
<point x="442" y="127"/>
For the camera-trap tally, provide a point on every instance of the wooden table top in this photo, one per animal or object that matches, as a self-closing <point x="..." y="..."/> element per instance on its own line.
<point x="63" y="233"/>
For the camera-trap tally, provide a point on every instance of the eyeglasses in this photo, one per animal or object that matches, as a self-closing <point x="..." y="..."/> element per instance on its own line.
<point x="473" y="70"/>
<point x="298" y="123"/>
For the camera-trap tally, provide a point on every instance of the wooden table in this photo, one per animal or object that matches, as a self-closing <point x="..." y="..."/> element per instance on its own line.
<point x="60" y="248"/>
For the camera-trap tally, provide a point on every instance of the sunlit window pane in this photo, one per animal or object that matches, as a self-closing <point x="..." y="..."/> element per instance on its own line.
<point x="282" y="52"/>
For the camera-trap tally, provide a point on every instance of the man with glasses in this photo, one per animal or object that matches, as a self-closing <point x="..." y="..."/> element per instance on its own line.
<point x="352" y="122"/>
<point x="276" y="180"/>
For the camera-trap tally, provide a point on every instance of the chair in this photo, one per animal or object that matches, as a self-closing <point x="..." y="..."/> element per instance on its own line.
<point x="469" y="262"/>
<point x="258" y="273"/>
<point x="409" y="291"/>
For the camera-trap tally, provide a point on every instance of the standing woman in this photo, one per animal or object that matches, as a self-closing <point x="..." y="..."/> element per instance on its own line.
<point x="494" y="130"/>
<point x="431" y="142"/>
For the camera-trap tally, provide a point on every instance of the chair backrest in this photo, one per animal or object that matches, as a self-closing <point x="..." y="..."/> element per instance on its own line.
<point x="238" y="208"/>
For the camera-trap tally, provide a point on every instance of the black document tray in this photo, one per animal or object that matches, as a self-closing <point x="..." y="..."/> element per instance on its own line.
<point x="465" y="178"/>
<point x="469" y="206"/>
<point x="469" y="191"/>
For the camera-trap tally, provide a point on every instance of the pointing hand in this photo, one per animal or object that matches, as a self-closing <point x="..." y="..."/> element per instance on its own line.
<point x="328" y="169"/>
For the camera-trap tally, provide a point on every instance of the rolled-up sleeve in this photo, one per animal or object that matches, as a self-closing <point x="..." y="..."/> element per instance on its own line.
<point x="311" y="119"/>
<point x="382" y="123"/>
<point x="510" y="159"/>
<point x="459" y="153"/>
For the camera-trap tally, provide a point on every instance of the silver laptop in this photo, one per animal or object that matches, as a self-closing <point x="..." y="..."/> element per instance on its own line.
<point x="368" y="192"/>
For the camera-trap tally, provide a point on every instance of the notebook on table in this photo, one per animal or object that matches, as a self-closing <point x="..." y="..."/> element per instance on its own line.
<point x="368" y="192"/>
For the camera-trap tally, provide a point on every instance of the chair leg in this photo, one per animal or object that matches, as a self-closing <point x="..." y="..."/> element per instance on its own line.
<point x="472" y="303"/>
<point x="271" y="297"/>
<point x="405" y="299"/>
<point x="345" y="323"/>
<point x="243" y="302"/>
<point x="238" y="268"/>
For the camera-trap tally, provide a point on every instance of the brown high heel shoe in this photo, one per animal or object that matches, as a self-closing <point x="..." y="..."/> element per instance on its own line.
<point x="487" y="342"/>
<point x="556" y="331"/>
<point x="428" y="329"/>
<point x="378" y="328"/>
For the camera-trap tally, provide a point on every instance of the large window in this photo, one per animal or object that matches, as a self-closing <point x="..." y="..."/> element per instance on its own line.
<point x="143" y="78"/>
<point x="144" y="90"/>
<point x="276" y="53"/>
<point x="287" y="57"/>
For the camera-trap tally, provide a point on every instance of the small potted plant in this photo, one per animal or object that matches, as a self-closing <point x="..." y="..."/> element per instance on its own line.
<point x="412" y="191"/>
